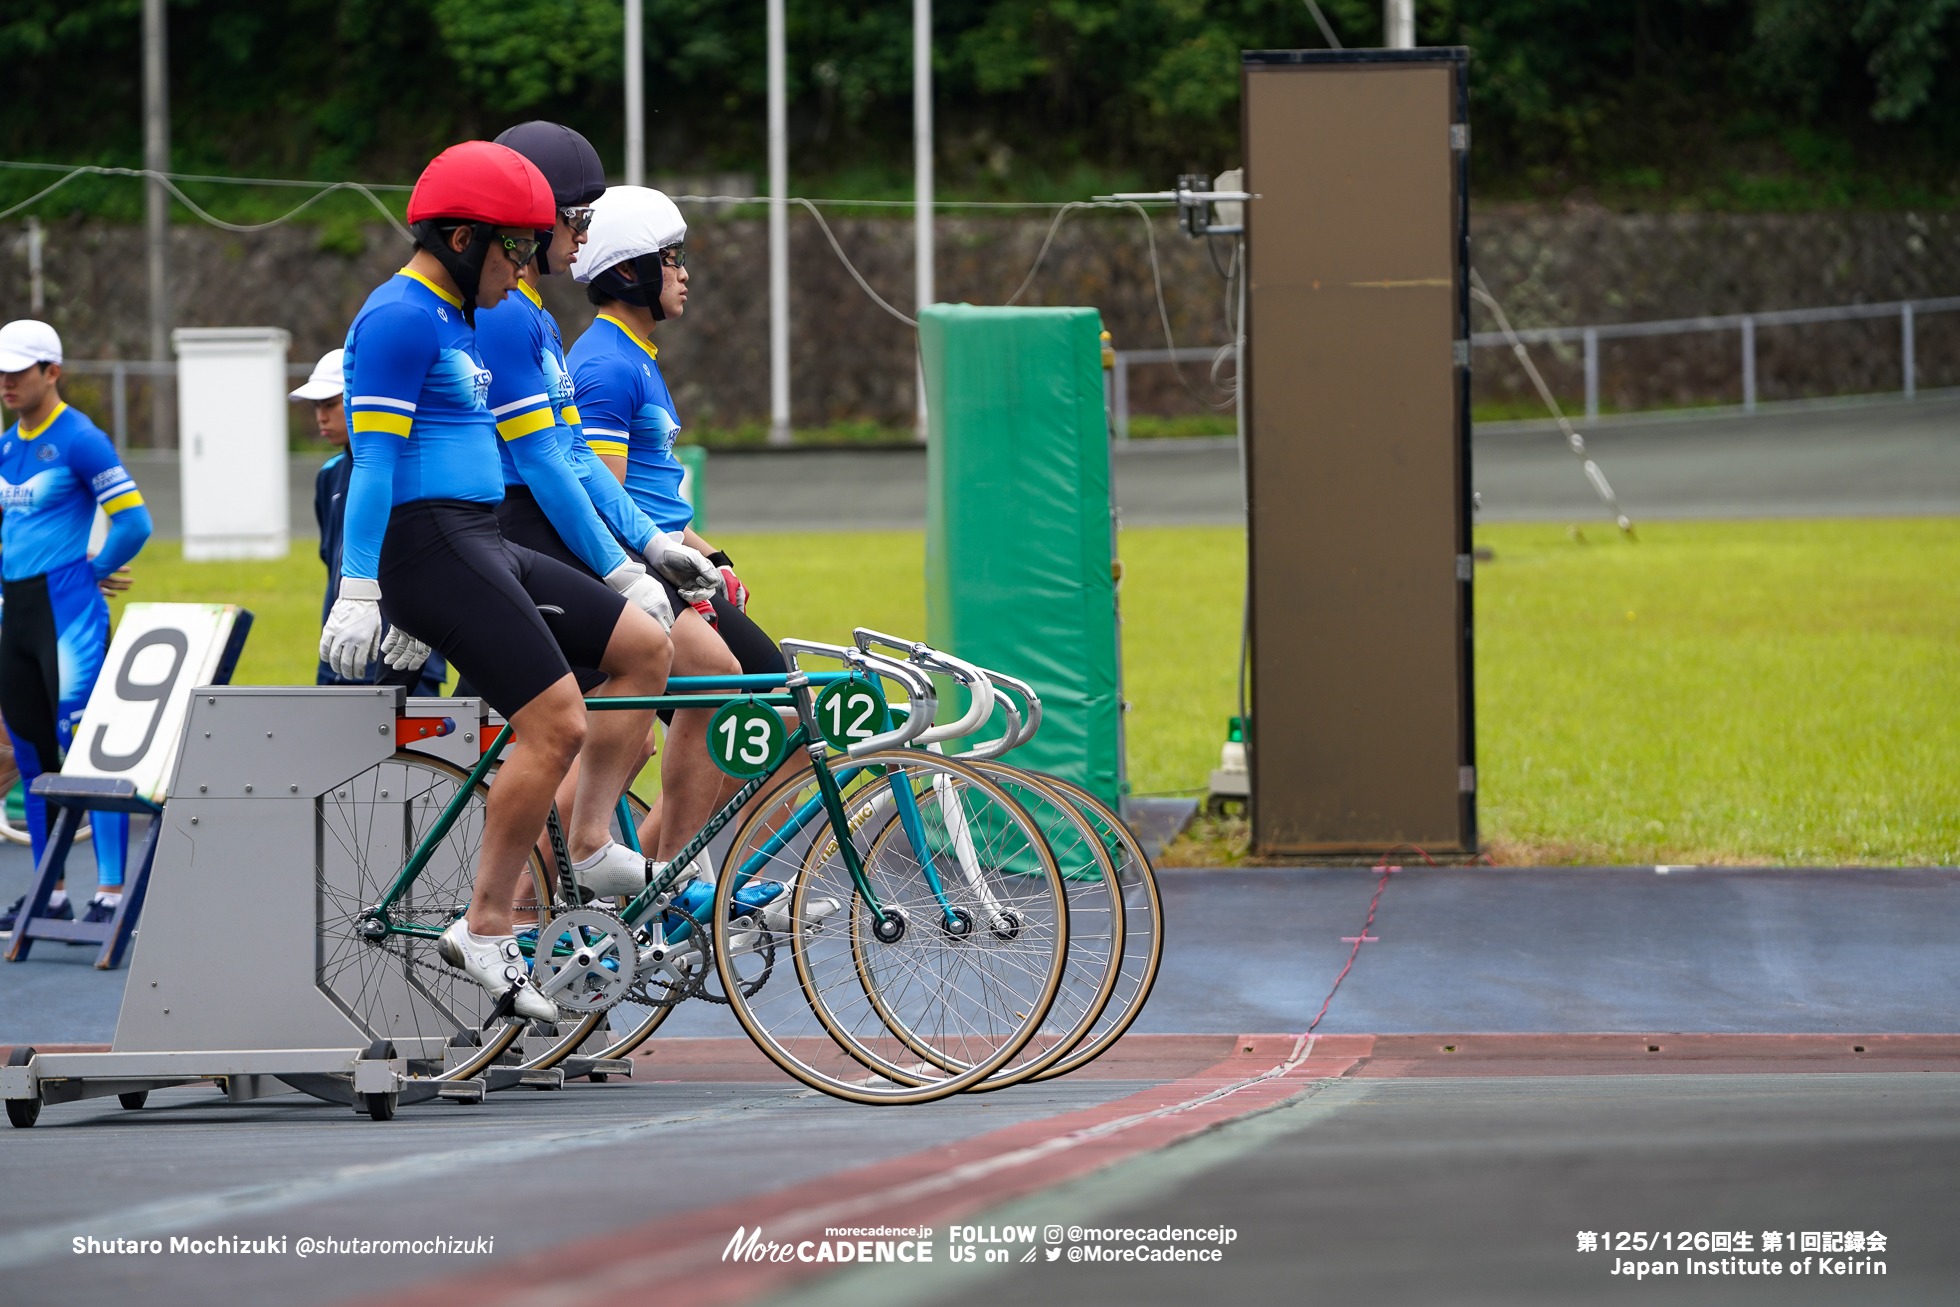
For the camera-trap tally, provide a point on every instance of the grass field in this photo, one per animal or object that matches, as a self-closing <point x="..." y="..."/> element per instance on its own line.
<point x="1733" y="692"/>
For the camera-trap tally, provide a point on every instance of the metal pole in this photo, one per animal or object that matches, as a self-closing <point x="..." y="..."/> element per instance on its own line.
<point x="36" y="292"/>
<point x="779" y="432"/>
<point x="636" y="101"/>
<point x="1121" y="382"/>
<point x="1906" y="348"/>
<point x="156" y="157"/>
<point x="1592" y="375"/>
<point x="119" y="399"/>
<point x="1399" y="24"/>
<point x="1749" y="365"/>
<point x="922" y="212"/>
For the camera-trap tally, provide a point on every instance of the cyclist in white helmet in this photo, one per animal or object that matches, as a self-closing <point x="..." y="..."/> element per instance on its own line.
<point x="634" y="267"/>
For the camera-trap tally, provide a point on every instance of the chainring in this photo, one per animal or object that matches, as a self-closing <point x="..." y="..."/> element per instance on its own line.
<point x="596" y="949"/>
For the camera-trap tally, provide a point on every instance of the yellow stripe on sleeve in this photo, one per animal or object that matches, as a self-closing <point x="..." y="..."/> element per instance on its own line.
<point x="132" y="499"/>
<point x="571" y="415"/>
<point x="610" y="448"/>
<point x="525" y="423"/>
<point x="395" y="424"/>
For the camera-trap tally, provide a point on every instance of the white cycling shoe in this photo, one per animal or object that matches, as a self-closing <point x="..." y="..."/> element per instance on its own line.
<point x="775" y="917"/>
<point x="497" y="964"/>
<point x="614" y="872"/>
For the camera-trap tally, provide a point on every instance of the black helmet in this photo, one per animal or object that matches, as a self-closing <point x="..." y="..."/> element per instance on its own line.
<point x="568" y="162"/>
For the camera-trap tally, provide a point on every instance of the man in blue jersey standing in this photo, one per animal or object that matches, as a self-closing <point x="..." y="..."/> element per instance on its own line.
<point x="56" y="468"/>
<point x="423" y="552"/>
<point x="324" y="390"/>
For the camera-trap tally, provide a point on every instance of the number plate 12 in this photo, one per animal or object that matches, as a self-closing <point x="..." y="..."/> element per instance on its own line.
<point x="850" y="712"/>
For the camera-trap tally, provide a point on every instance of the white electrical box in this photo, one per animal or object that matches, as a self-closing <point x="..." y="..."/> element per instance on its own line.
<point x="231" y="424"/>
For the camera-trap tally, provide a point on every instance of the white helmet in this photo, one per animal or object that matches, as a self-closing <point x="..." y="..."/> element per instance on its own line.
<point x="629" y="223"/>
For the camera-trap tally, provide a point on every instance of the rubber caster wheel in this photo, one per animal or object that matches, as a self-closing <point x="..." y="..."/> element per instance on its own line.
<point x="22" y="1113"/>
<point x="597" y="1077"/>
<point x="134" y="1102"/>
<point x="380" y="1107"/>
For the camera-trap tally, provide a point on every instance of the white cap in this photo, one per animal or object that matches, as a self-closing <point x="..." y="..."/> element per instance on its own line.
<point x="25" y="342"/>
<point x="628" y="221"/>
<point x="326" y="381"/>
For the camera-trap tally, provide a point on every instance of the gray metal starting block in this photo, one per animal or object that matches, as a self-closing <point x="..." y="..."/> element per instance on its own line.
<point x="233" y="976"/>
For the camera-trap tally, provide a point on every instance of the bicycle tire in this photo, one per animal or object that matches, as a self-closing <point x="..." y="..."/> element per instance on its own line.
<point x="396" y="987"/>
<point x="1143" y="945"/>
<point x="1095" y="912"/>
<point x="1014" y="939"/>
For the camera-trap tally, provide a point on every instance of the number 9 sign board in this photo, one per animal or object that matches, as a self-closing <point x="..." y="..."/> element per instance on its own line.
<point x="162" y="652"/>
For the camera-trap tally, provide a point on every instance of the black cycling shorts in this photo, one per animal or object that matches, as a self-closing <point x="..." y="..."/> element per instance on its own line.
<point x="523" y="522"/>
<point x="512" y="620"/>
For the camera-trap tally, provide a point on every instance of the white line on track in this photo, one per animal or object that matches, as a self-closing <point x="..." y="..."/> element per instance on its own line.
<point x="175" y="1215"/>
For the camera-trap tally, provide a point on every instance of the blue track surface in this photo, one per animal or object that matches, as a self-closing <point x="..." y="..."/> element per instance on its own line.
<point x="1868" y="950"/>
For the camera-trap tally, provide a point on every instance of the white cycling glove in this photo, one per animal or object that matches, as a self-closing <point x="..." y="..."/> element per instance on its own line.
<point x="353" y="629"/>
<point x="633" y="584"/>
<point x="402" y="651"/>
<point x="689" y="569"/>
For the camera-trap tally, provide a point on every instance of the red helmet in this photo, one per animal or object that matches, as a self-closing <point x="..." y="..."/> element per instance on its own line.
<point x="481" y="181"/>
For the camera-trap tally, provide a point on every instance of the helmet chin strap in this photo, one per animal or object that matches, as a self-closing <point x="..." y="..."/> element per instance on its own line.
<point x="651" y="272"/>
<point x="466" y="268"/>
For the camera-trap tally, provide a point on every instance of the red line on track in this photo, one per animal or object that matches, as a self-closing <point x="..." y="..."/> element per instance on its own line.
<point x="935" y="1186"/>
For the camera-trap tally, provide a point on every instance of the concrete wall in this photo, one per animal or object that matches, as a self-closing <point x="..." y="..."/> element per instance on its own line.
<point x="852" y="361"/>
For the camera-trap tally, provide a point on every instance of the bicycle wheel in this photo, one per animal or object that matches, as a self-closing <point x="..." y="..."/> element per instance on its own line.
<point x="1096" y="919"/>
<point x="391" y="982"/>
<point x="1143" y="939"/>
<point x="1095" y="912"/>
<point x="967" y="970"/>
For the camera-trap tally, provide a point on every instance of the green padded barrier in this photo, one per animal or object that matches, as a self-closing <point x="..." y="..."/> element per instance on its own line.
<point x="1018" y="522"/>
<point x="694" y="483"/>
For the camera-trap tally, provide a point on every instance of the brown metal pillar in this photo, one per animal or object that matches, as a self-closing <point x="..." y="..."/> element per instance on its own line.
<point x="1358" y="450"/>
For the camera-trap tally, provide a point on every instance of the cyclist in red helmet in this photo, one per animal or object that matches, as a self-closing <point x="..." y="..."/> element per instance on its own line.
<point x="423" y="552"/>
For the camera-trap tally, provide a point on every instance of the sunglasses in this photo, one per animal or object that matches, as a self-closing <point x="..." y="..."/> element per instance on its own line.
<point x="578" y="218"/>
<point x="521" y="249"/>
<point x="674" y="256"/>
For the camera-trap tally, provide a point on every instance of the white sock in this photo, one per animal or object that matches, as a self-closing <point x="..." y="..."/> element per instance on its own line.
<point x="587" y="864"/>
<point x="57" y="900"/>
<point x="108" y="898"/>
<point x="484" y="940"/>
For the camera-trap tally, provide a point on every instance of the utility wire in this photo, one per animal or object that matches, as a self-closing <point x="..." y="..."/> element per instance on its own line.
<point x="1573" y="440"/>
<point x="1062" y="208"/>
<point x="169" y="182"/>
<point x="1333" y="41"/>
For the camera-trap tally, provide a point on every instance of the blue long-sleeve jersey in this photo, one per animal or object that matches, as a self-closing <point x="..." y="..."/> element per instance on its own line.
<point x="52" y="477"/>
<point x="626" y="409"/>
<point x="531" y="400"/>
<point x="418" y="417"/>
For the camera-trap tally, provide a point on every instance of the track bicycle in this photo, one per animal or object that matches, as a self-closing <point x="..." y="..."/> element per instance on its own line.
<point x="589" y="960"/>
<point x="1135" y="919"/>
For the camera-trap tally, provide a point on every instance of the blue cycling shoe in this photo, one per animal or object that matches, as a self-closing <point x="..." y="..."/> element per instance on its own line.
<point x="63" y="913"/>
<point x="679" y="919"/>
<point x="98" y="912"/>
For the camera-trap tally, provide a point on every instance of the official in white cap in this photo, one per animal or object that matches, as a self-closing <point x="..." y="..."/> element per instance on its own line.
<point x="325" y="390"/>
<point x="26" y="342"/>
